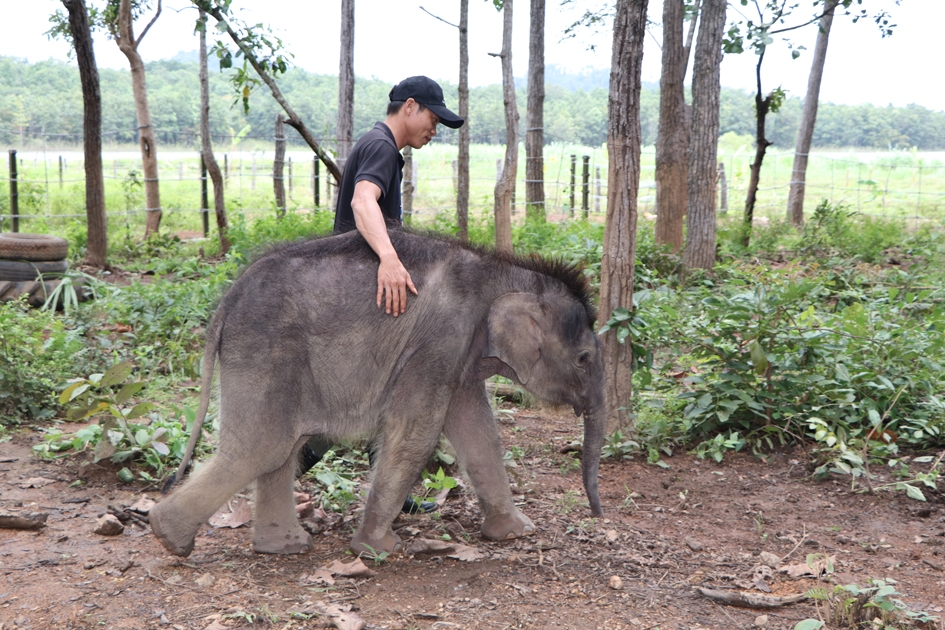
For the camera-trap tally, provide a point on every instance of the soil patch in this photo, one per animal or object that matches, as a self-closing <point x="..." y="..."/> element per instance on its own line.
<point x="665" y="532"/>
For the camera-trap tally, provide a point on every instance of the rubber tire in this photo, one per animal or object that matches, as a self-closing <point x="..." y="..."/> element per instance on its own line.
<point x="14" y="246"/>
<point x="17" y="271"/>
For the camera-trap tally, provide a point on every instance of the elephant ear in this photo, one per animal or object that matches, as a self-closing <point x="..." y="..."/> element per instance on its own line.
<point x="515" y="333"/>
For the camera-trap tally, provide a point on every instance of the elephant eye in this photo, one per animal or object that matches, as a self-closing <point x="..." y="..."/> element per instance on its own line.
<point x="584" y="358"/>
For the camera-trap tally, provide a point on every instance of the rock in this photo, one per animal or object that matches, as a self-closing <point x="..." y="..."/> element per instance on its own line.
<point x="761" y="621"/>
<point x="108" y="525"/>
<point x="769" y="559"/>
<point x="616" y="583"/>
<point x="694" y="544"/>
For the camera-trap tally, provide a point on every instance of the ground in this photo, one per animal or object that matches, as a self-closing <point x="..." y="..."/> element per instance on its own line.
<point x="665" y="532"/>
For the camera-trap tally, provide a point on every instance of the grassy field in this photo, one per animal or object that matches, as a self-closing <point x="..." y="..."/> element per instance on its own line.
<point x="908" y="185"/>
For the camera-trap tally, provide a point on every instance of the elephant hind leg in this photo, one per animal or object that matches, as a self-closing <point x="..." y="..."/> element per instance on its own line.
<point x="276" y="527"/>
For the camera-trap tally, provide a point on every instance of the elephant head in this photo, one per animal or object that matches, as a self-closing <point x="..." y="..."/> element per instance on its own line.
<point x="549" y="345"/>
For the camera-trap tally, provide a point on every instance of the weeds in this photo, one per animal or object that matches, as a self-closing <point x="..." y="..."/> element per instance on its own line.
<point x="876" y="606"/>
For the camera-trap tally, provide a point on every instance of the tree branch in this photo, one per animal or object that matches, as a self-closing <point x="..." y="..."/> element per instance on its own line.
<point x="153" y="20"/>
<point x="438" y="17"/>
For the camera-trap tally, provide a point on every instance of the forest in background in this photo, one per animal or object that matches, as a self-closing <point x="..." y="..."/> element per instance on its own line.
<point x="45" y="98"/>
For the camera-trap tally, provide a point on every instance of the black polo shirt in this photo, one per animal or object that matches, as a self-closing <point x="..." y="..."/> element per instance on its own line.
<point x="374" y="158"/>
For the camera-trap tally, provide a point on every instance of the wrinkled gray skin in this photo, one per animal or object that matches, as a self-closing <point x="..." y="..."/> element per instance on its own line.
<point x="304" y="351"/>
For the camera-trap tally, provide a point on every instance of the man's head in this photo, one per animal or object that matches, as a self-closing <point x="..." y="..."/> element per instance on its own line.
<point x="417" y="106"/>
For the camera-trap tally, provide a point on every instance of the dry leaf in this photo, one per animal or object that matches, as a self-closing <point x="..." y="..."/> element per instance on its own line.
<point x="466" y="554"/>
<point x="216" y="625"/>
<point x="321" y="576"/>
<point x="352" y="569"/>
<point x="234" y="514"/>
<point x="205" y="580"/>
<point x="36" y="482"/>
<point x="426" y="545"/>
<point x="142" y="505"/>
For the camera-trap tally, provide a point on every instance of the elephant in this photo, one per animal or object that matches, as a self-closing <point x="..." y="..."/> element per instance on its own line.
<point x="305" y="353"/>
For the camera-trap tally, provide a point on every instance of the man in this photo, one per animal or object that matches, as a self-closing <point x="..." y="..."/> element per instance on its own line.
<point x="369" y="201"/>
<point x="369" y="194"/>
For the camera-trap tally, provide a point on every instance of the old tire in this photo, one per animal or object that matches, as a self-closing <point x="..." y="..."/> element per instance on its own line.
<point x="21" y="271"/>
<point x="32" y="247"/>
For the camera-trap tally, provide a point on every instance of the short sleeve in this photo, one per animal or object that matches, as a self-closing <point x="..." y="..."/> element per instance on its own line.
<point x="378" y="164"/>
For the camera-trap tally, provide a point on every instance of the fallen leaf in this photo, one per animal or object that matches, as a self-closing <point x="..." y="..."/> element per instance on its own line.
<point x="36" y="482"/>
<point x="352" y="569"/>
<point x="426" y="545"/>
<point x="321" y="576"/>
<point x="234" y="514"/>
<point x="205" y="580"/>
<point x="466" y="554"/>
<point x="142" y="505"/>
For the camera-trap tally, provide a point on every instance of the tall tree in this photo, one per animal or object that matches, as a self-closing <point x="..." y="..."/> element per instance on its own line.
<point x="206" y="144"/>
<point x="505" y="187"/>
<point x="623" y="180"/>
<point x="704" y="137"/>
<point x="672" y="138"/>
<point x="805" y="133"/>
<point x="462" y="184"/>
<point x="122" y="30"/>
<point x="97" y="223"/>
<point x="263" y="53"/>
<point x="346" y="83"/>
<point x="534" y="117"/>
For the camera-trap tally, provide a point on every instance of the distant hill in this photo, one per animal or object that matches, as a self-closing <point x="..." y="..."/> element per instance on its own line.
<point x="584" y="80"/>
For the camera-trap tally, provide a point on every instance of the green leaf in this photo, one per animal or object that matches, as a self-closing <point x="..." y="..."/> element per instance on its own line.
<point x="809" y="624"/>
<point x="139" y="410"/>
<point x="914" y="493"/>
<point x="73" y="391"/>
<point x="116" y="374"/>
<point x="126" y="475"/>
<point x="128" y="391"/>
<point x="758" y="357"/>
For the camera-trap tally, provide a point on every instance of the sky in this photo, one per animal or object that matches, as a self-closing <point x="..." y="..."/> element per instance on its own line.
<point x="397" y="38"/>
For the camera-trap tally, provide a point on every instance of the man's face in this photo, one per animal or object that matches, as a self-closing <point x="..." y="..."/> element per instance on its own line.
<point x="421" y="125"/>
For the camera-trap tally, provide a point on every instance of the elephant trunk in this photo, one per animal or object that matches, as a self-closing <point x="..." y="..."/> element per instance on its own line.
<point x="595" y="423"/>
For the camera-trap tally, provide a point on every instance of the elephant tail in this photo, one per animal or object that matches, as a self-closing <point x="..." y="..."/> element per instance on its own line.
<point x="214" y="333"/>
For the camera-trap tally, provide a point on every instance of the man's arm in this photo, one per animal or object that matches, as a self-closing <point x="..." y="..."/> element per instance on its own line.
<point x="392" y="278"/>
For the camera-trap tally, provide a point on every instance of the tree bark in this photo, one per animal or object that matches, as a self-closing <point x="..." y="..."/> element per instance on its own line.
<point x="795" y="211"/>
<point x="346" y="83"/>
<point x="206" y="143"/>
<point x="623" y="180"/>
<point x="534" y="117"/>
<point x="462" y="166"/>
<point x="704" y="138"/>
<point x="762" y="107"/>
<point x="505" y="187"/>
<point x="293" y="121"/>
<point x="125" y="38"/>
<point x="97" y="222"/>
<point x="672" y="139"/>
<point x="278" y="164"/>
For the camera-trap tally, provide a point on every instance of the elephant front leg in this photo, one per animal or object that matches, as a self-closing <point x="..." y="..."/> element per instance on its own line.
<point x="471" y="429"/>
<point x="276" y="527"/>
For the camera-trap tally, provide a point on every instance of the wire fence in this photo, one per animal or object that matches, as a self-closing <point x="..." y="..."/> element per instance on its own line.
<point x="47" y="185"/>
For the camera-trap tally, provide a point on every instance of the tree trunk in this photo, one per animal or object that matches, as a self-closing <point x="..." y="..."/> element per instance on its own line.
<point x="462" y="166"/>
<point x="534" y="117"/>
<point x="206" y="143"/>
<point x="97" y="222"/>
<point x="795" y="211"/>
<point x="278" y="164"/>
<point x="623" y="180"/>
<point x="704" y="138"/>
<point x="762" y="106"/>
<point x="505" y="187"/>
<point x="293" y="121"/>
<point x="672" y="140"/>
<point x="129" y="46"/>
<point x="346" y="83"/>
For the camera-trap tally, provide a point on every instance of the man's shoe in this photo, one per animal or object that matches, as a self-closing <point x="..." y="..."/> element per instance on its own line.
<point x="412" y="507"/>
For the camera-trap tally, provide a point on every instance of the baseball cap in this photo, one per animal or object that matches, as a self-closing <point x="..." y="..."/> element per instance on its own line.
<point x="427" y="92"/>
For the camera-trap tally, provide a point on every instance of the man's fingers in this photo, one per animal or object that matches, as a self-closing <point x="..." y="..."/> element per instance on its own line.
<point x="413" y="289"/>
<point x="380" y="292"/>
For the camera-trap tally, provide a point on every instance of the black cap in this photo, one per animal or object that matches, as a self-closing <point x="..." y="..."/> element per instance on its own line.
<point x="427" y="92"/>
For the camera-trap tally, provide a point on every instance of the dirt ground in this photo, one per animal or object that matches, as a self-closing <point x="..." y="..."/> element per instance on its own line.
<point x="665" y="532"/>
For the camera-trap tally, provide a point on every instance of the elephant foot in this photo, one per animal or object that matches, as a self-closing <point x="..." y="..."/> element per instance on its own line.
<point x="177" y="542"/>
<point x="273" y="538"/>
<point x="507" y="526"/>
<point x="364" y="545"/>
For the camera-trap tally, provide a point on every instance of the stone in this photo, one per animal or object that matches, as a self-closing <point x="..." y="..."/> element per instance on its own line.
<point x="761" y="621"/>
<point x="108" y="525"/>
<point x="616" y="583"/>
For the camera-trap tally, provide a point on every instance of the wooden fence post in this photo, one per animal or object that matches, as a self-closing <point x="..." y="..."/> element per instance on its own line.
<point x="14" y="194"/>
<point x="723" y="189"/>
<point x="204" y="198"/>
<point x="585" y="183"/>
<point x="316" y="184"/>
<point x="278" y="184"/>
<point x="573" y="180"/>
<point x="407" y="193"/>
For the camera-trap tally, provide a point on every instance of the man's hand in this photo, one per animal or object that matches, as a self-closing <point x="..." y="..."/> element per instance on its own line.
<point x="392" y="284"/>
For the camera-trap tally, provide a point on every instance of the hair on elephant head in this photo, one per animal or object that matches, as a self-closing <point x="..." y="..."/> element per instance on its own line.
<point x="328" y="363"/>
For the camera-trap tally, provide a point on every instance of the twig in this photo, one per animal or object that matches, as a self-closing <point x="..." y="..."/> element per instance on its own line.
<point x="750" y="600"/>
<point x="800" y="542"/>
<point x="438" y="17"/>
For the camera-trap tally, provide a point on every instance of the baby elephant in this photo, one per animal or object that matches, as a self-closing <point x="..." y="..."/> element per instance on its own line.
<point x="303" y="351"/>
